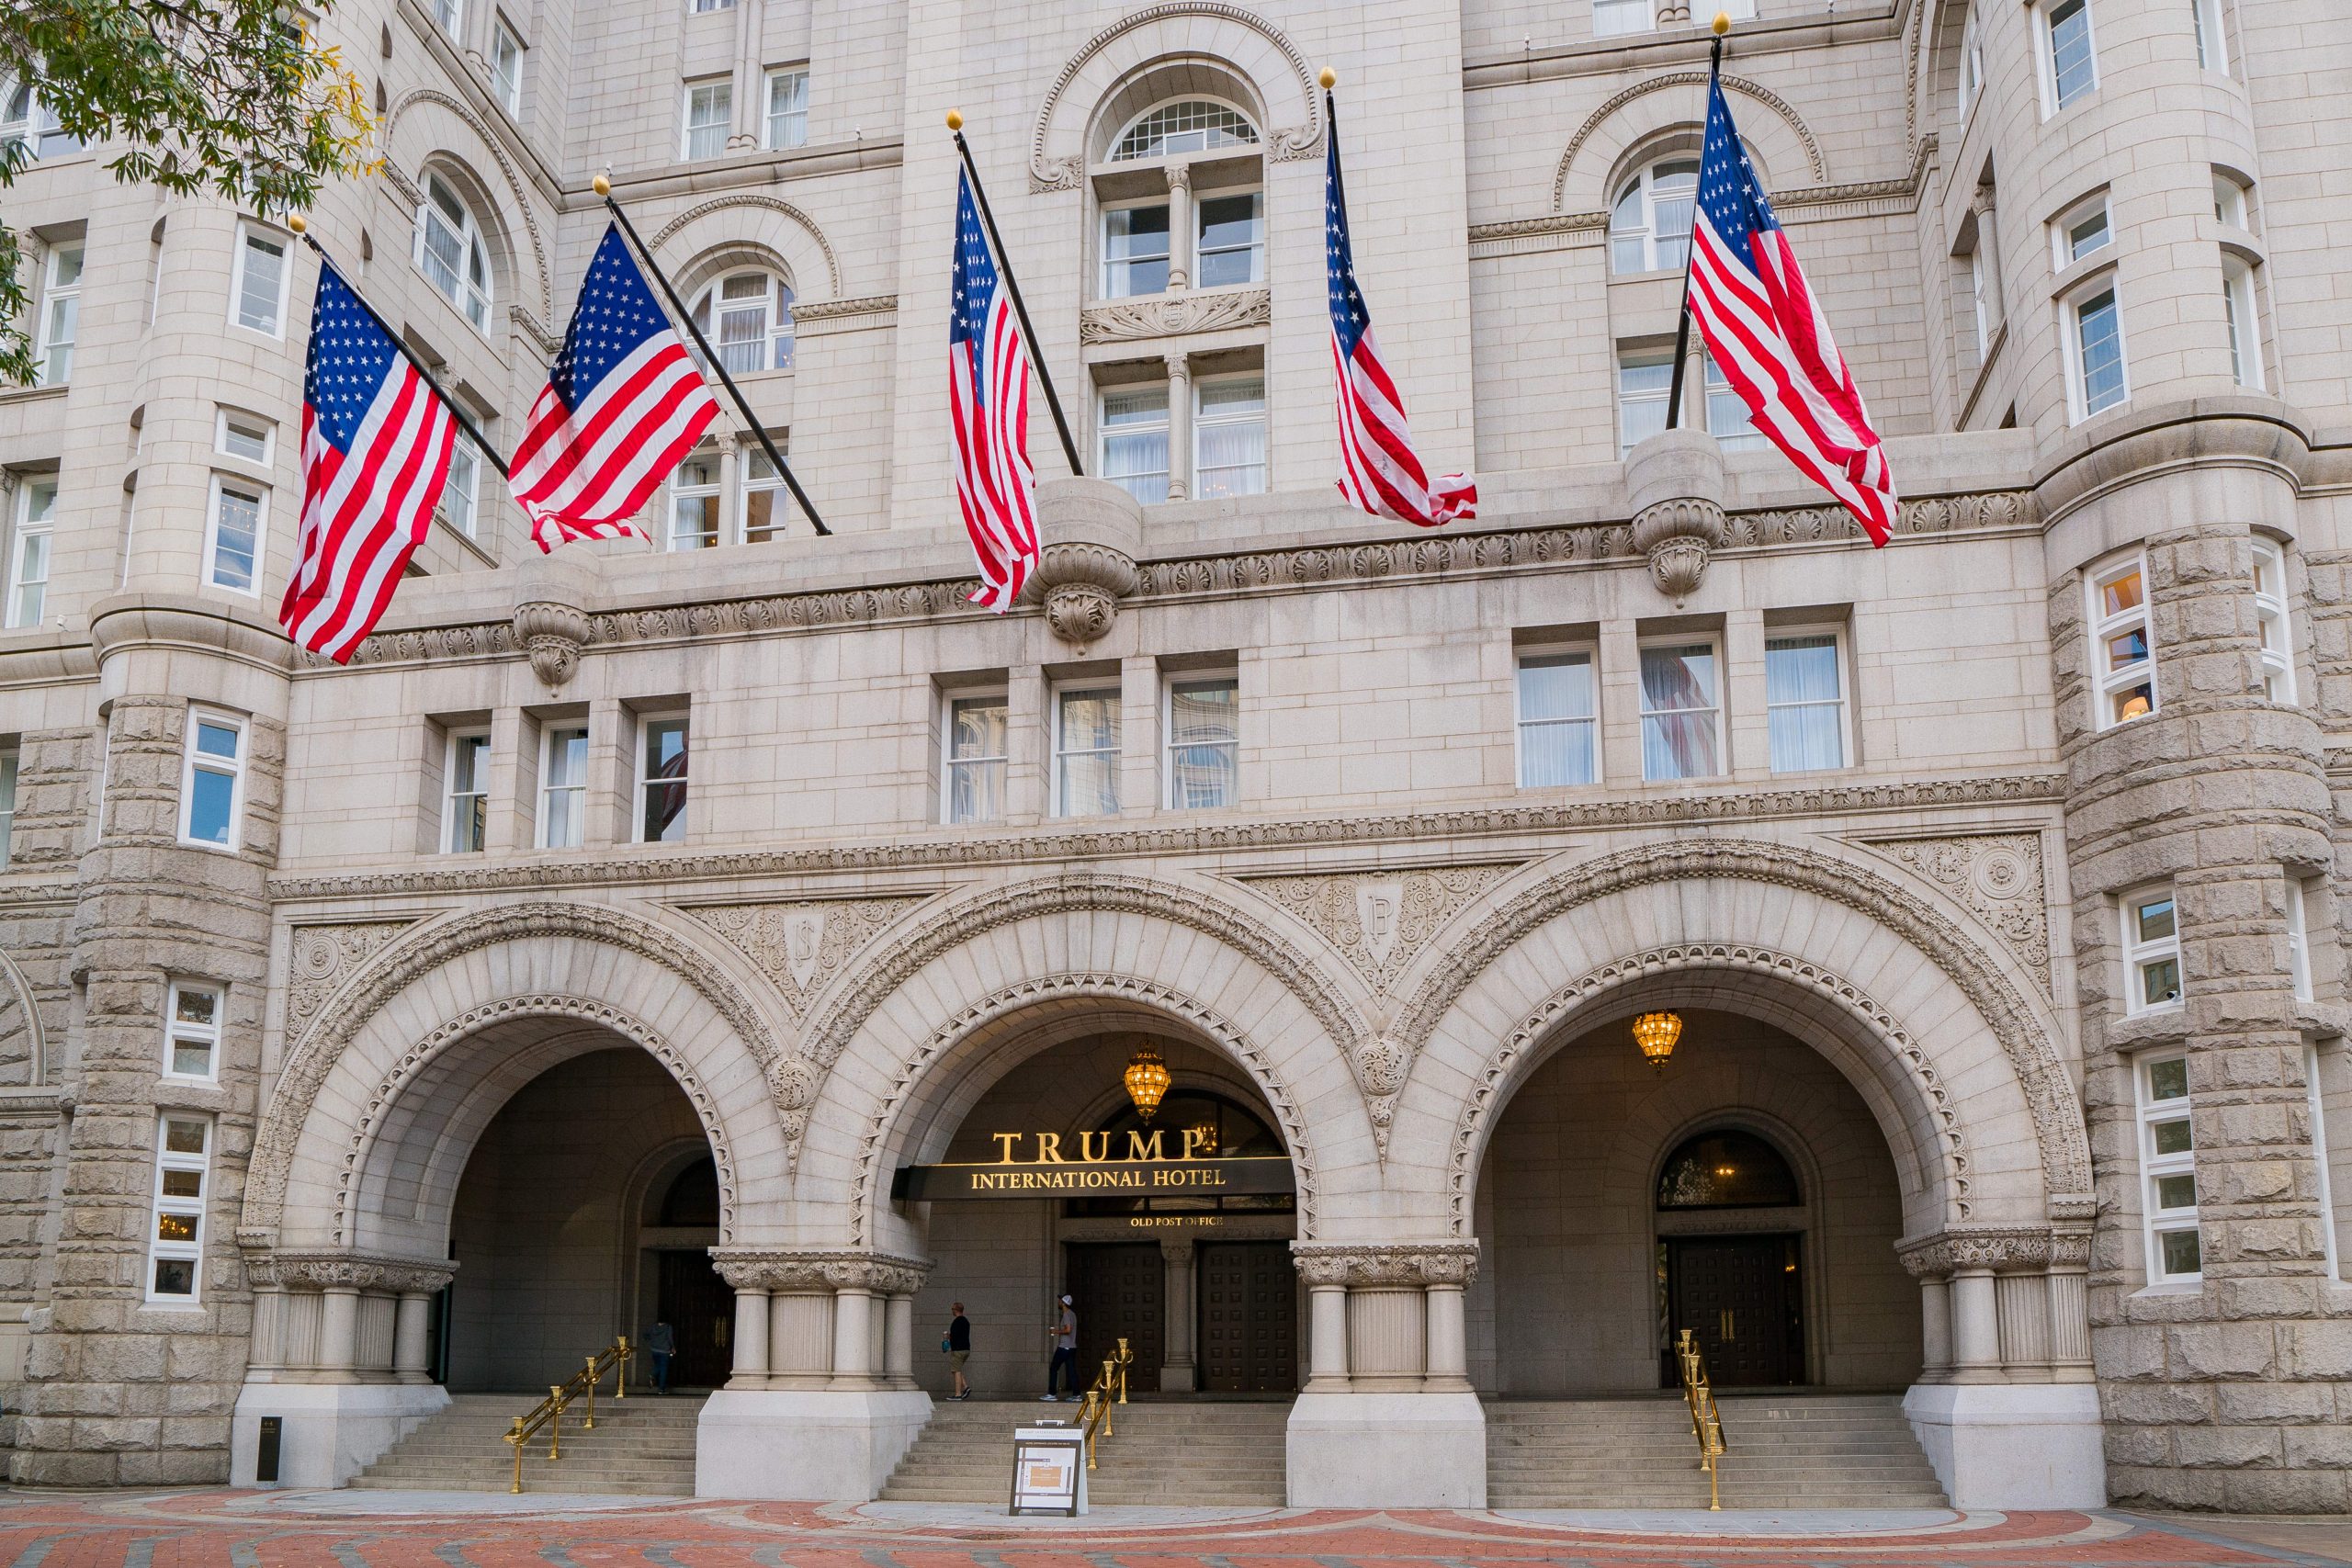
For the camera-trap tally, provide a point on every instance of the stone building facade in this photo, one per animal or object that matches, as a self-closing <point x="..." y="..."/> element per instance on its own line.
<point x="373" y="1030"/>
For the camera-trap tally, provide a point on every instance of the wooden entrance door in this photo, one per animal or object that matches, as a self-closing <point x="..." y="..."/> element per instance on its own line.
<point x="1118" y="1288"/>
<point x="1741" y="1297"/>
<point x="1248" y="1335"/>
<point x="699" y="1307"/>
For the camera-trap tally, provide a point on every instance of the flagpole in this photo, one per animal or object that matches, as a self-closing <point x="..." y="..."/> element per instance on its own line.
<point x="1691" y="241"/>
<point x="302" y="231"/>
<point x="603" y="188"/>
<point x="1012" y="287"/>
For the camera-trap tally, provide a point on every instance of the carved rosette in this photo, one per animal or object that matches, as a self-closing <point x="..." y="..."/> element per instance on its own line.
<point x="2001" y="1248"/>
<point x="552" y="633"/>
<point x="1677" y="536"/>
<point x="348" y="1270"/>
<point x="817" y="1270"/>
<point x="1387" y="1263"/>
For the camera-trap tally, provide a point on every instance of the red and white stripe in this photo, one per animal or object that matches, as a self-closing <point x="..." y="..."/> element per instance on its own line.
<point x="584" y="473"/>
<point x="1379" y="471"/>
<point x="995" y="484"/>
<point x="363" y="515"/>
<point x="1766" y="330"/>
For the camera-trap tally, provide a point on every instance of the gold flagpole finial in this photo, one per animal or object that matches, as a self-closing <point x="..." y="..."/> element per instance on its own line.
<point x="1328" y="77"/>
<point x="297" y="222"/>
<point x="1723" y="23"/>
<point x="955" y="120"/>
<point x="601" y="185"/>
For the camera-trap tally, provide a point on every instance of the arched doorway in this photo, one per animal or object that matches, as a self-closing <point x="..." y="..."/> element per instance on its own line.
<point x="1730" y="1217"/>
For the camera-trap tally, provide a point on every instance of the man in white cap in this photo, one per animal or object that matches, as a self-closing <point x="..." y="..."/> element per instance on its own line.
<point x="1063" y="1331"/>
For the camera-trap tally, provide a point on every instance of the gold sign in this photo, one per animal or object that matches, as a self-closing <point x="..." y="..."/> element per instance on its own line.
<point x="1162" y="1163"/>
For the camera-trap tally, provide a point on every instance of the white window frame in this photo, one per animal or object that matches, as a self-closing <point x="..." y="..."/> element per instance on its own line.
<point x="778" y="331"/>
<point x="1644" y="232"/>
<point x="1836" y="633"/>
<point x="709" y="8"/>
<point x="1054" y="696"/>
<point x="192" y="1251"/>
<point x="2243" y="321"/>
<point x="1642" y="711"/>
<point x="2076" y="301"/>
<point x="776" y="128"/>
<point x="1712" y="382"/>
<point x="679" y="490"/>
<point x="249" y="236"/>
<point x="506" y="52"/>
<point x="2315" y="1091"/>
<point x="948" y="760"/>
<point x="450" y="16"/>
<point x="193" y="761"/>
<point x="226" y="419"/>
<point x="246" y="489"/>
<point x="2106" y="683"/>
<point x="1642" y="359"/>
<point x="2157" y="1223"/>
<point x="453" y="799"/>
<point x="2063" y="251"/>
<point x="52" y="292"/>
<point x="641" y="794"/>
<point x="27" y="529"/>
<point x="2232" y="203"/>
<point x="2274" y="620"/>
<point x="2213" y="43"/>
<point x="1521" y="724"/>
<point x="178" y="1031"/>
<point x="1204" y="421"/>
<point x="2299" y="936"/>
<point x="1104" y="431"/>
<point x="11" y="763"/>
<point x="749" y="483"/>
<point x="461" y="488"/>
<point x="1617" y="18"/>
<point x="469" y="301"/>
<point x="1976" y="270"/>
<point x="549" y="788"/>
<point x="722" y="91"/>
<point x="1972" y="65"/>
<point x="2045" y="48"/>
<point x="1105" y="273"/>
<point x="2140" y="955"/>
<point x="1170" y="745"/>
<point x="1202" y="249"/>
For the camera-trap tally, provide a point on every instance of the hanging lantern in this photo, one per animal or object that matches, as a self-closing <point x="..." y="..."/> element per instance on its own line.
<point x="1656" y="1033"/>
<point x="1147" y="1080"/>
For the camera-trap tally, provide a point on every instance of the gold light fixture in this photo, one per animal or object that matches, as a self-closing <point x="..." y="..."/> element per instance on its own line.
<point x="1147" y="1078"/>
<point x="1656" y="1033"/>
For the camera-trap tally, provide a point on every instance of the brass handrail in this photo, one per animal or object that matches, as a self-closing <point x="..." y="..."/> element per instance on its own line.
<point x="548" y="1412"/>
<point x="1094" y="1412"/>
<point x="1706" y="1421"/>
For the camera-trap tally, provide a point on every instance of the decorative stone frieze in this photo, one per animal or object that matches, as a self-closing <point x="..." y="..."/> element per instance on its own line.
<point x="324" y="957"/>
<point x="1997" y="878"/>
<point x="2001" y="1248"/>
<point x="819" y="1268"/>
<point x="1387" y="1263"/>
<point x="801" y="946"/>
<point x="348" y="1270"/>
<point x="1175" y="315"/>
<point x="1381" y="920"/>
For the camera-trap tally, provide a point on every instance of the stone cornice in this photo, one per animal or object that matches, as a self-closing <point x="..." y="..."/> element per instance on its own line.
<point x="1387" y="1263"/>
<point x="352" y="1270"/>
<point x="2003" y="1248"/>
<point x="540" y="874"/>
<point x="819" y="1269"/>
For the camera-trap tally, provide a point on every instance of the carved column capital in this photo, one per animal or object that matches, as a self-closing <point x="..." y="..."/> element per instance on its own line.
<point x="348" y="1270"/>
<point x="1977" y="1248"/>
<point x="819" y="1269"/>
<point x="1387" y="1263"/>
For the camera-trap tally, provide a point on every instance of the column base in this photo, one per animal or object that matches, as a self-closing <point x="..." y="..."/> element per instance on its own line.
<point x="1392" y="1450"/>
<point x="2012" y="1445"/>
<point x="332" y="1431"/>
<point x="1177" y="1379"/>
<point x="816" y="1446"/>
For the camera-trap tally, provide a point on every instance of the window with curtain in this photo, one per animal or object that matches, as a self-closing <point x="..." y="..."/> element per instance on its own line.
<point x="2237" y="310"/>
<point x="61" y="315"/>
<point x="461" y="491"/>
<point x="661" y="779"/>
<point x="1682" y="720"/>
<point x="563" y="787"/>
<point x="709" y="116"/>
<point x="977" y="755"/>
<point x="259" y="288"/>
<point x="28" y="551"/>
<point x="1805" y="701"/>
<point x="506" y="68"/>
<point x="1204" y="743"/>
<point x="1134" y="441"/>
<point x="787" y="109"/>
<point x="747" y="316"/>
<point x="1086" y="752"/>
<point x="694" y="499"/>
<point x="1645" y="381"/>
<point x="1229" y="437"/>
<point x="451" y="251"/>
<point x="1649" y="224"/>
<point x="1558" y="718"/>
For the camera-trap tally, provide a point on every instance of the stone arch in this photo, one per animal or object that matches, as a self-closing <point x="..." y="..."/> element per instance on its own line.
<point x="22" y="1038"/>
<point x="1781" y="141"/>
<point x="510" y="207"/>
<point x="1236" y="38"/>
<point x="752" y="221"/>
<point x="408" y="991"/>
<point x="1959" y="973"/>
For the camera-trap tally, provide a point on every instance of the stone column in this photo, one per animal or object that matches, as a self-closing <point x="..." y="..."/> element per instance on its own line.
<point x="1327" y="1335"/>
<point x="1449" y="1343"/>
<point x="1177" y="1370"/>
<point x="1935" y="1331"/>
<point x="899" y="1339"/>
<point x="800" y="1337"/>
<point x="1975" y="1327"/>
<point x="411" y="1335"/>
<point x="1179" y="427"/>
<point x="2022" y="1301"/>
<point x="271" y="1307"/>
<point x="1179" y="228"/>
<point x="752" y="1329"/>
<point x="2070" y="1325"/>
<point x="852" y="1336"/>
<point x="339" y="1335"/>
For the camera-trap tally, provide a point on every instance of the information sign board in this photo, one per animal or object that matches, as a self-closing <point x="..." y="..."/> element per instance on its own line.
<point x="1049" y="1471"/>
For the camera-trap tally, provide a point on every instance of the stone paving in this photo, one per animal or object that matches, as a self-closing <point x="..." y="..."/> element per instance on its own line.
<point x="202" y="1529"/>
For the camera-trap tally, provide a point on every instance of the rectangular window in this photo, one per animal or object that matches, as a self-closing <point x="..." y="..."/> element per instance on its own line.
<point x="1972" y="62"/>
<point x="466" y="810"/>
<point x="742" y="310"/>
<point x="28" y="551"/>
<point x="787" y="109"/>
<point x="693" y="500"/>
<point x="506" y="68"/>
<point x="1086" y="752"/>
<point x="2324" y="1142"/>
<point x="1559" y="718"/>
<point x="2151" y="952"/>
<point x="2069" y="58"/>
<point x="9" y="758"/>
<point x="1977" y="297"/>
<point x="1644" y="379"/>
<point x="61" y="315"/>
<point x="975" y="763"/>
<point x="2080" y="233"/>
<point x="2272" y="622"/>
<point x="710" y="115"/>
<point x="243" y="436"/>
<point x="2299" y="936"/>
<point x="2237" y="310"/>
<point x="1134" y="441"/>
<point x="23" y="117"/>
<point x="2168" y="1170"/>
<point x="1727" y="419"/>
<point x="1613" y="18"/>
<point x="232" y="542"/>
<point x="2212" y="49"/>
<point x="563" y="787"/>
<point x="192" y="1031"/>
<point x="1805" y="701"/>
<point x="1135" y="251"/>
<point x="762" y="504"/>
<point x="183" y="1163"/>
<point x="1204" y="743"/>
<point x="212" y="781"/>
<point x="704" y="8"/>
<point x="662" y="780"/>
<point x="1232" y="240"/>
<point x="2098" y="352"/>
<point x="2122" y="646"/>
<point x="257" y="292"/>
<point x="1229" y="437"/>
<point x="450" y="15"/>
<point x="461" y="491"/>
<point x="1682" y="716"/>
<point x="2229" y="203"/>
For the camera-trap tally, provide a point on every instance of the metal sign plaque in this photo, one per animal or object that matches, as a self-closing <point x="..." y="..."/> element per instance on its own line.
<point x="1096" y="1179"/>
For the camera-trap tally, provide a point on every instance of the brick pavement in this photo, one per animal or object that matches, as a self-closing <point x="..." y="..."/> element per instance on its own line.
<point x="225" y="1530"/>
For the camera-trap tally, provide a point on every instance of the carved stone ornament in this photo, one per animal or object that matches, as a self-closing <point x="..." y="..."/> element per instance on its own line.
<point x="324" y="957"/>
<point x="1083" y="583"/>
<point x="1176" y="314"/>
<point x="1997" y="878"/>
<point x="1381" y="920"/>
<point x="819" y="1268"/>
<point x="2006" y="1248"/>
<point x="1677" y="536"/>
<point x="348" y="1270"/>
<point x="552" y="633"/>
<point x="799" y="947"/>
<point x="1387" y="1263"/>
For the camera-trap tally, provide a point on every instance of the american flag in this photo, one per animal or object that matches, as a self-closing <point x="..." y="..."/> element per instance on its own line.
<point x="375" y="447"/>
<point x="988" y="396"/>
<point x="622" y="407"/>
<point x="1767" y="332"/>
<point x="1379" y="471"/>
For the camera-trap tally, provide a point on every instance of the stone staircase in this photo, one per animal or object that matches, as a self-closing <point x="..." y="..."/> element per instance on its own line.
<point x="1190" y="1451"/>
<point x="642" y="1446"/>
<point x="1787" y="1451"/>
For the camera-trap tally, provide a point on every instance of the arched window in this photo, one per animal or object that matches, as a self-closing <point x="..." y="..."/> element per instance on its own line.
<point x="748" y="318"/>
<point x="1193" y="125"/>
<point x="1726" y="1169"/>
<point x="1649" y="227"/>
<point x="1219" y="1129"/>
<point x="450" y="252"/>
<point x="693" y="1198"/>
